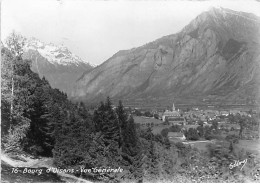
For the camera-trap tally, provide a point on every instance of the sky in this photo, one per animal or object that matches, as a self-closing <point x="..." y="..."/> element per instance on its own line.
<point x="95" y="30"/>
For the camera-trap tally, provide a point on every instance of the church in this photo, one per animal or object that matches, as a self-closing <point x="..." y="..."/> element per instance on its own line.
<point x="174" y="113"/>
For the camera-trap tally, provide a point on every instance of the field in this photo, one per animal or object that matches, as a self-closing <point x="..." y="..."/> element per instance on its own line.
<point x="200" y="145"/>
<point x="144" y="120"/>
<point x="159" y="128"/>
<point x="252" y="146"/>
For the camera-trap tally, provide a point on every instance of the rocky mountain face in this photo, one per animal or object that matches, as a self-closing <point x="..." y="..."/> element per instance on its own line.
<point x="214" y="59"/>
<point x="56" y="63"/>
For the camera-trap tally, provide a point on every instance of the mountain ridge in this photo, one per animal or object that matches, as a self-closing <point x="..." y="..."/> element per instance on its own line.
<point x="210" y="58"/>
<point x="59" y="54"/>
<point x="56" y="63"/>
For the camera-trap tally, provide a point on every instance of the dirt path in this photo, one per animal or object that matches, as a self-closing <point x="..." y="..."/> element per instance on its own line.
<point x="9" y="175"/>
<point x="24" y="169"/>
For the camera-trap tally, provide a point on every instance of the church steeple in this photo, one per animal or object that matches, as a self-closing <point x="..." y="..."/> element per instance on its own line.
<point x="173" y="107"/>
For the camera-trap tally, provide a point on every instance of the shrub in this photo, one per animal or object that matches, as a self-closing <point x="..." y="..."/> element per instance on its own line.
<point x="164" y="132"/>
<point x="192" y="134"/>
<point x="175" y="128"/>
<point x="207" y="133"/>
<point x="232" y="138"/>
<point x="208" y="137"/>
<point x="156" y="116"/>
<point x="179" y="145"/>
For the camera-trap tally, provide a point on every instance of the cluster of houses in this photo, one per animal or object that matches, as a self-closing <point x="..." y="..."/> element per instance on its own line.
<point x="195" y="116"/>
<point x="177" y="117"/>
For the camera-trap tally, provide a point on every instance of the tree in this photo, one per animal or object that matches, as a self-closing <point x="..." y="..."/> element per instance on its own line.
<point x="192" y="134"/>
<point x="15" y="92"/>
<point x="107" y="123"/>
<point x="231" y="147"/>
<point x="151" y="163"/>
<point x="200" y="131"/>
<point x="110" y="129"/>
<point x="132" y="152"/>
<point x="122" y="120"/>
<point x="72" y="140"/>
<point x="175" y="128"/>
<point x="137" y="112"/>
<point x="6" y="90"/>
<point x="156" y="116"/>
<point x="242" y="121"/>
<point x="232" y="138"/>
<point x="207" y="133"/>
<point x="46" y="104"/>
<point x="215" y="124"/>
<point x="82" y="110"/>
<point x="15" y="44"/>
<point x="200" y="122"/>
<point x="164" y="132"/>
<point x="147" y="114"/>
<point x="99" y="115"/>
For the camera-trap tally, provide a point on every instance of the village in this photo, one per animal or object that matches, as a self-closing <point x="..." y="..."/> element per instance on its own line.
<point x="176" y="123"/>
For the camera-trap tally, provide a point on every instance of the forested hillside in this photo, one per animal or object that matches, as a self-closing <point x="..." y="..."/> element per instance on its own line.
<point x="40" y="120"/>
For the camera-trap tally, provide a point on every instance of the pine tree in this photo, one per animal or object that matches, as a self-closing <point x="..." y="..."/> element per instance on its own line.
<point x="99" y="117"/>
<point x="131" y="152"/>
<point x="111" y="129"/>
<point x="152" y="164"/>
<point x="45" y="108"/>
<point x="72" y="140"/>
<point x="122" y="121"/>
<point x="106" y="122"/>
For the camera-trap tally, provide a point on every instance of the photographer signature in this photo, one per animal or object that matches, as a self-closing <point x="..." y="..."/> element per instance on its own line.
<point x="238" y="163"/>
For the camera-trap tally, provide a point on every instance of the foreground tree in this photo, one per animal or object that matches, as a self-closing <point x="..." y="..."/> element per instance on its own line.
<point x="107" y="124"/>
<point x="15" y="94"/>
<point x="15" y="44"/>
<point x="122" y="121"/>
<point x="131" y="152"/>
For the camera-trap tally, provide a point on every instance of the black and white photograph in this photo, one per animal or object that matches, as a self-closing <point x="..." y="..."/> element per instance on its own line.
<point x="128" y="91"/>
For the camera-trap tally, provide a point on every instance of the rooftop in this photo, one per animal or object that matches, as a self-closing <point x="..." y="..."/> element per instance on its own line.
<point x="175" y="119"/>
<point x="175" y="134"/>
<point x="167" y="113"/>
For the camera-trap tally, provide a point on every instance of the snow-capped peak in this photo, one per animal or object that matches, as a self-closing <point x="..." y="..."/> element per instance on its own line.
<point x="53" y="53"/>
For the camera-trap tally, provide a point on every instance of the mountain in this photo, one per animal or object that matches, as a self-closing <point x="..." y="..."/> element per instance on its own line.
<point x="214" y="60"/>
<point x="56" y="63"/>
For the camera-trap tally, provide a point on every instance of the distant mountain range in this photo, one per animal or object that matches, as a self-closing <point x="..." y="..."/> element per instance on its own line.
<point x="56" y="63"/>
<point x="215" y="59"/>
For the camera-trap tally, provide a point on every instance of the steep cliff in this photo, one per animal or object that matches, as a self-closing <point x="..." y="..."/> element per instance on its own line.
<point x="216" y="58"/>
